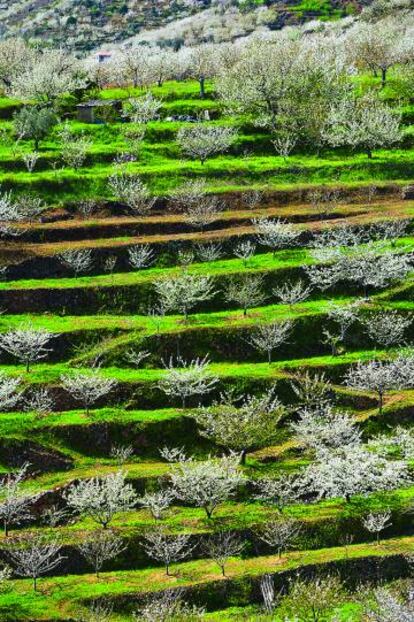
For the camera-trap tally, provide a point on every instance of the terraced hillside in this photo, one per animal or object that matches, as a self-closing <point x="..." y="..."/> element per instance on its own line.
<point x="165" y="322"/>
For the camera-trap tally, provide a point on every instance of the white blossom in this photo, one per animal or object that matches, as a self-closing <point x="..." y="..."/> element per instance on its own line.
<point x="324" y="427"/>
<point x="386" y="327"/>
<point x="275" y="234"/>
<point x="101" y="498"/>
<point x="77" y="260"/>
<point x="167" y="549"/>
<point x="375" y="522"/>
<point x="352" y="470"/>
<point x="9" y="391"/>
<point x="187" y="379"/>
<point x="14" y="504"/>
<point x="184" y="291"/>
<point x="202" y="141"/>
<point x="129" y="189"/>
<point x="242" y="424"/>
<point x="102" y="546"/>
<point x="35" y="556"/>
<point x="209" y="251"/>
<point x="292" y="293"/>
<point x="87" y="387"/>
<point x="268" y="337"/>
<point x="247" y="292"/>
<point x="141" y="256"/>
<point x="157" y="502"/>
<point x="206" y="484"/>
<point x="280" y="534"/>
<point x="27" y="343"/>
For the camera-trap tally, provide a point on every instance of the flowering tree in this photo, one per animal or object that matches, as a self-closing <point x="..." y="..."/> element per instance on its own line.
<point x="9" y="391"/>
<point x="101" y="498"/>
<point x="292" y="293"/>
<point x="317" y="597"/>
<point x="14" y="504"/>
<point x="87" y="387"/>
<point x="386" y="327"/>
<point x="165" y="548"/>
<point x="388" y="608"/>
<point x="351" y="470"/>
<point x="141" y="256"/>
<point x="157" y="502"/>
<point x="280" y="534"/>
<point x="325" y="428"/>
<point x="365" y="123"/>
<point x="101" y="547"/>
<point x="244" y="427"/>
<point x="50" y="73"/>
<point x="201" y="61"/>
<point x="184" y="291"/>
<point x="209" y="251"/>
<point x="189" y="378"/>
<point x="39" y="401"/>
<point x="198" y="206"/>
<point x="312" y="390"/>
<point x="129" y="189"/>
<point x="34" y="556"/>
<point x="275" y="234"/>
<point x="375" y="522"/>
<point x="202" y="141"/>
<point x="221" y="547"/>
<point x="27" y="344"/>
<point x="246" y="292"/>
<point x="381" y="376"/>
<point x="144" y="109"/>
<point x="168" y="605"/>
<point x="268" y="337"/>
<point x="245" y="250"/>
<point x="77" y="260"/>
<point x="278" y="491"/>
<point x="206" y="484"/>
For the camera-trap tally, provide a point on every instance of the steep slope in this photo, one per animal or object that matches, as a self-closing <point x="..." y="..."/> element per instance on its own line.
<point x="87" y="24"/>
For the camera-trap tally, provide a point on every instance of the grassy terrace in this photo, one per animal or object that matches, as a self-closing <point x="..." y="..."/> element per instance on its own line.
<point x="104" y="315"/>
<point x="266" y="262"/>
<point x="56" y="594"/>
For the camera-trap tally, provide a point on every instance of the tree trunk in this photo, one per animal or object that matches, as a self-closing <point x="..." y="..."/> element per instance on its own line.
<point x="167" y="569"/>
<point x="27" y="366"/>
<point x="243" y="456"/>
<point x="35" y="584"/>
<point x="383" y="78"/>
<point x="202" y="87"/>
<point x="245" y="311"/>
<point x="6" y="528"/>
<point x="369" y="154"/>
<point x="223" y="571"/>
<point x="380" y="402"/>
<point x="269" y="356"/>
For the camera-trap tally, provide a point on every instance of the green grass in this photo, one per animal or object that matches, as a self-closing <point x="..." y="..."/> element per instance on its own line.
<point x="60" y="595"/>
<point x="251" y="163"/>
